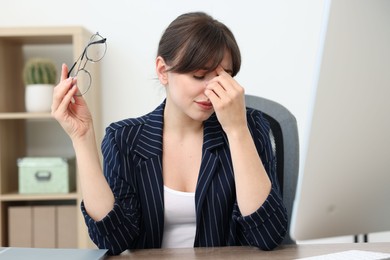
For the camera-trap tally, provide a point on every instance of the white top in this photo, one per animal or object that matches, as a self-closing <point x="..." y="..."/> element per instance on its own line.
<point x="179" y="219"/>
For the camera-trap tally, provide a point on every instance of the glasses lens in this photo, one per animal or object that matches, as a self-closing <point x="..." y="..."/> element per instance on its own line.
<point x="96" y="48"/>
<point x="83" y="81"/>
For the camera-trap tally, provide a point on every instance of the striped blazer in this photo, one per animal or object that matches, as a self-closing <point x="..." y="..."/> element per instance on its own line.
<point x="132" y="152"/>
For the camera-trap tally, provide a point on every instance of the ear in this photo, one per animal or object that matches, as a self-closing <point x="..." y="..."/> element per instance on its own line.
<point x="161" y="70"/>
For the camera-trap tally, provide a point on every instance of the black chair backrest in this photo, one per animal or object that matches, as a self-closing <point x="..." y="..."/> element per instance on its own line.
<point x="285" y="133"/>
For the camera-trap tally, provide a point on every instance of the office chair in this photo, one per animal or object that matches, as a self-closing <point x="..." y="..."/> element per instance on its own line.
<point x="285" y="133"/>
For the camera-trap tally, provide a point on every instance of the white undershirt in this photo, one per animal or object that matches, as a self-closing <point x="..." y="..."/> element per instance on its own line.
<point x="179" y="219"/>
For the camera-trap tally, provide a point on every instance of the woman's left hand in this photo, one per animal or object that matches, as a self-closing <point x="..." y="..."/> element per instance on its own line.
<point x="251" y="179"/>
<point x="227" y="97"/>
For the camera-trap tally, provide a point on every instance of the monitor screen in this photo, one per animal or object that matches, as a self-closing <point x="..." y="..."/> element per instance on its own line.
<point x="344" y="183"/>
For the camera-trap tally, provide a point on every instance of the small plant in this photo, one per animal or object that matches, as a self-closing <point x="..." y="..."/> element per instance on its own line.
<point x="39" y="71"/>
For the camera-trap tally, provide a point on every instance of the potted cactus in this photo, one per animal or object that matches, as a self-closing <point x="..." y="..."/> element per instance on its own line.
<point x="39" y="76"/>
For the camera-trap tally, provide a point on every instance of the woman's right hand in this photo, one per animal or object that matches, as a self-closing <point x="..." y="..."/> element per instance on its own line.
<point x="69" y="109"/>
<point x="72" y="112"/>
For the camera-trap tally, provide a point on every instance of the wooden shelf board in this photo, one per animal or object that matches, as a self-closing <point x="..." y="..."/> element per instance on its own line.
<point x="38" y="197"/>
<point x="41" y="35"/>
<point x="25" y="115"/>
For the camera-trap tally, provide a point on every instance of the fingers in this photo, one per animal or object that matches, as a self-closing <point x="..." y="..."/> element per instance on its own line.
<point x="64" y="72"/>
<point x="67" y="99"/>
<point x="62" y="87"/>
<point x="223" y="86"/>
<point x="63" y="94"/>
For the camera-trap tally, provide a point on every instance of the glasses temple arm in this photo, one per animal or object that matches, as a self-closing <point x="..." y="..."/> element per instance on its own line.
<point x="70" y="71"/>
<point x="97" y="42"/>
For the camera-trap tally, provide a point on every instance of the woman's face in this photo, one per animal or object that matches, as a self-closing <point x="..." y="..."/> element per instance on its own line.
<point x="185" y="92"/>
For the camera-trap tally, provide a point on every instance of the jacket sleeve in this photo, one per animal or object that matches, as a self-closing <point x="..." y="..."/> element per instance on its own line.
<point x="266" y="227"/>
<point x="119" y="229"/>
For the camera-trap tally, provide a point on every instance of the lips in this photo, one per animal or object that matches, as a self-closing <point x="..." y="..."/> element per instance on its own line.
<point x="205" y="104"/>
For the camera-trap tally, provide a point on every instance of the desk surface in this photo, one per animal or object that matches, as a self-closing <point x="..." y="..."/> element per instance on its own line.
<point x="283" y="252"/>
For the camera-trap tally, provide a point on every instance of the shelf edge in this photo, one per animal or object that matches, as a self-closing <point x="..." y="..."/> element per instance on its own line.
<point x="38" y="197"/>
<point x="25" y="115"/>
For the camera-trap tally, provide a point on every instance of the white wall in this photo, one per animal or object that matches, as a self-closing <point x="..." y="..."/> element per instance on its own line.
<point x="279" y="41"/>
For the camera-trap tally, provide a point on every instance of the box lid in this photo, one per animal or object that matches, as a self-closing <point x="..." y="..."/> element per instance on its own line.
<point x="42" y="161"/>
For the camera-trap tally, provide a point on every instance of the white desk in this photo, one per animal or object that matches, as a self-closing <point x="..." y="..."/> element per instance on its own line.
<point x="283" y="252"/>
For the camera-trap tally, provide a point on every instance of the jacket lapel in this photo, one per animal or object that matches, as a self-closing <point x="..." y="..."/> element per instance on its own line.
<point x="213" y="138"/>
<point x="149" y="176"/>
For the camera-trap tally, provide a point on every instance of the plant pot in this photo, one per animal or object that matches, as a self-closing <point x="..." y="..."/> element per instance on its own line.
<point x="38" y="97"/>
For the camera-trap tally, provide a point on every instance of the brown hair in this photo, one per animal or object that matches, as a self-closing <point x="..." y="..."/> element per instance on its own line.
<point x="196" y="41"/>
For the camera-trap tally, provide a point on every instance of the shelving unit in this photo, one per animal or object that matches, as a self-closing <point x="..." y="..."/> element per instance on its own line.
<point x="14" y="121"/>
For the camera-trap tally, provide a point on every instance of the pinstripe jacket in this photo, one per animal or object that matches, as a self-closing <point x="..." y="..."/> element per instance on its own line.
<point x="132" y="151"/>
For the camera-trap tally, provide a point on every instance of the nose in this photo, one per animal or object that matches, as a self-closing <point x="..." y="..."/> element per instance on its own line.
<point x="209" y="76"/>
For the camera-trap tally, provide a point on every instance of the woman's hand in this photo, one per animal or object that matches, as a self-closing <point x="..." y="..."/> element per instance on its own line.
<point x="252" y="182"/>
<point x="70" y="110"/>
<point x="227" y="97"/>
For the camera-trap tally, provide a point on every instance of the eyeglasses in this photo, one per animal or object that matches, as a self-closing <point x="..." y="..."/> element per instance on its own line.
<point x="93" y="52"/>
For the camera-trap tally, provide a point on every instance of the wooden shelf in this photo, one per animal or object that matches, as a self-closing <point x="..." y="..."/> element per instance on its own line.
<point x="25" y="115"/>
<point x="39" y="197"/>
<point x="43" y="35"/>
<point x="21" y="132"/>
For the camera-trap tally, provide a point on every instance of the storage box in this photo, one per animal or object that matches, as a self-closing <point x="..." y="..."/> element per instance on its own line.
<point x="20" y="221"/>
<point x="46" y="175"/>
<point x="44" y="226"/>
<point x="67" y="226"/>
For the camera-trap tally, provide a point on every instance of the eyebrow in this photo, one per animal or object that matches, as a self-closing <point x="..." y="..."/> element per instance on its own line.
<point x="229" y="71"/>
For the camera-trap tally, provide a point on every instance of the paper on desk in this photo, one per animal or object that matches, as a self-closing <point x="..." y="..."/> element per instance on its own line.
<point x="350" y="255"/>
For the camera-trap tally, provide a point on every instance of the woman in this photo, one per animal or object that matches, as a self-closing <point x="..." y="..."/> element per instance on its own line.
<point x="197" y="171"/>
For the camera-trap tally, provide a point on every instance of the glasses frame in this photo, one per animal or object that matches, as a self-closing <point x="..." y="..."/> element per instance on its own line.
<point x="81" y="66"/>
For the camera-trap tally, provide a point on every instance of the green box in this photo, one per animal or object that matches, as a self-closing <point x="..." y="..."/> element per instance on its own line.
<point x="46" y="175"/>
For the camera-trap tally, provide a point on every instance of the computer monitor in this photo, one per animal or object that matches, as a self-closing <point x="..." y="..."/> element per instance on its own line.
<point x="344" y="183"/>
